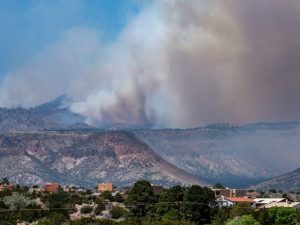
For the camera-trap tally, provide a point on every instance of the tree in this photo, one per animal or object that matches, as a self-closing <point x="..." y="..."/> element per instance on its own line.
<point x="197" y="201"/>
<point x="222" y="215"/>
<point x="218" y="186"/>
<point x="140" y="198"/>
<point x="5" y="181"/>
<point x="241" y="209"/>
<point x="107" y="195"/>
<point x="243" y="220"/>
<point x="117" y="212"/>
<point x="281" y="215"/>
<point x="17" y="201"/>
<point x="101" y="205"/>
<point x="118" y="198"/>
<point x="86" y="209"/>
<point x="169" y="201"/>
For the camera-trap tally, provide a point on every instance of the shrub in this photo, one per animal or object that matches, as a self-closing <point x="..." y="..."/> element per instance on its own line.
<point x="118" y="198"/>
<point x="17" y="201"/>
<point x="117" y="212"/>
<point x="243" y="220"/>
<point x="86" y="209"/>
<point x="99" y="209"/>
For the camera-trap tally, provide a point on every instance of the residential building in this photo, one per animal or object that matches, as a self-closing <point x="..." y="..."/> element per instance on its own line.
<point x="229" y="192"/>
<point x="9" y="187"/>
<point x="105" y="187"/>
<point x="35" y="189"/>
<point x="263" y="201"/>
<point x="231" y="201"/>
<point x="253" y="195"/>
<point x="286" y="204"/>
<point x="51" y="187"/>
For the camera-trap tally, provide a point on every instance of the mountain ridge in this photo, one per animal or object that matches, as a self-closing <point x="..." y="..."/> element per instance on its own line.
<point x="85" y="158"/>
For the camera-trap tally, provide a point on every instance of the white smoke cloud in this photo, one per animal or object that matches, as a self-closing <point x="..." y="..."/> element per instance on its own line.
<point x="177" y="63"/>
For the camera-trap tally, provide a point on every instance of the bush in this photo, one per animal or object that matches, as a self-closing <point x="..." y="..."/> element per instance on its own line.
<point x="107" y="195"/>
<point x="117" y="212"/>
<point x="280" y="215"/>
<point x="86" y="209"/>
<point x="17" y="201"/>
<point x="118" y="198"/>
<point x="243" y="220"/>
<point x="99" y="209"/>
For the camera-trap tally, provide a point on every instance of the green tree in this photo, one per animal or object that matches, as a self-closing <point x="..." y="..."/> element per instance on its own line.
<point x="117" y="212"/>
<point x="243" y="220"/>
<point x="141" y="198"/>
<point x="118" y="198"/>
<point x="241" y="209"/>
<point x="107" y="195"/>
<point x="281" y="215"/>
<point x="86" y="209"/>
<point x="17" y="201"/>
<point x="171" y="201"/>
<point x="222" y="215"/>
<point x="197" y="201"/>
<point x="218" y="186"/>
<point x="101" y="205"/>
<point x="59" y="202"/>
<point x="5" y="181"/>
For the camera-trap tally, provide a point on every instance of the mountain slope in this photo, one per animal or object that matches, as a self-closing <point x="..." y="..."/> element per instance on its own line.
<point x="52" y="115"/>
<point x="288" y="182"/>
<point x="84" y="159"/>
<point x="237" y="156"/>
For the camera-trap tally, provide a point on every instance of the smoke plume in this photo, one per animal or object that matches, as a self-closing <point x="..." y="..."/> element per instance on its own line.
<point x="179" y="63"/>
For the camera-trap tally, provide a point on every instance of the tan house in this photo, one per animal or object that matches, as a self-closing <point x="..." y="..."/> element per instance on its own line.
<point x="286" y="204"/>
<point x="51" y="187"/>
<point x="253" y="195"/>
<point x="260" y="202"/>
<point x="105" y="187"/>
<point x="229" y="193"/>
<point x="9" y="187"/>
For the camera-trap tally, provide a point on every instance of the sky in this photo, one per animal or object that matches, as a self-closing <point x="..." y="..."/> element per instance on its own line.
<point x="166" y="63"/>
<point x="29" y="26"/>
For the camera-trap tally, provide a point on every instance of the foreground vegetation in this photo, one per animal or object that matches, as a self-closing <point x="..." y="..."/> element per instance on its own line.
<point x="193" y="205"/>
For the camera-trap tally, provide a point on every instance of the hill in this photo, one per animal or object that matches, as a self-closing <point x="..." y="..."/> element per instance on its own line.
<point x="235" y="155"/>
<point x="52" y="115"/>
<point x="84" y="158"/>
<point x="287" y="182"/>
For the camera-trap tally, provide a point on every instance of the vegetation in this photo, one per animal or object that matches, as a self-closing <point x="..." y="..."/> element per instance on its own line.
<point x="243" y="220"/>
<point x="107" y="195"/>
<point x="86" y="209"/>
<point x="179" y="205"/>
<point x="17" y="201"/>
<point x="117" y="212"/>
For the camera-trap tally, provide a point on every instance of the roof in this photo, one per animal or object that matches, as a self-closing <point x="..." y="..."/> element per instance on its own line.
<point x="283" y="204"/>
<point x="238" y="199"/>
<point x="268" y="200"/>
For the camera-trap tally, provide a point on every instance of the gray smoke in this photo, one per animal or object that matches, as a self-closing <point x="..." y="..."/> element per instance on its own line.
<point x="179" y="63"/>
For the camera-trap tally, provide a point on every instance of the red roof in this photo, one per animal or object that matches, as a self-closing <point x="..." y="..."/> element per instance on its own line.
<point x="238" y="199"/>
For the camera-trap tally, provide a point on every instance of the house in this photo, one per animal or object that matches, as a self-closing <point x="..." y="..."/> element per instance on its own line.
<point x="9" y="187"/>
<point x="229" y="192"/>
<point x="286" y="204"/>
<point x="253" y="195"/>
<point x="263" y="201"/>
<point x="35" y="189"/>
<point x="105" y="187"/>
<point x="51" y="187"/>
<point x="231" y="201"/>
